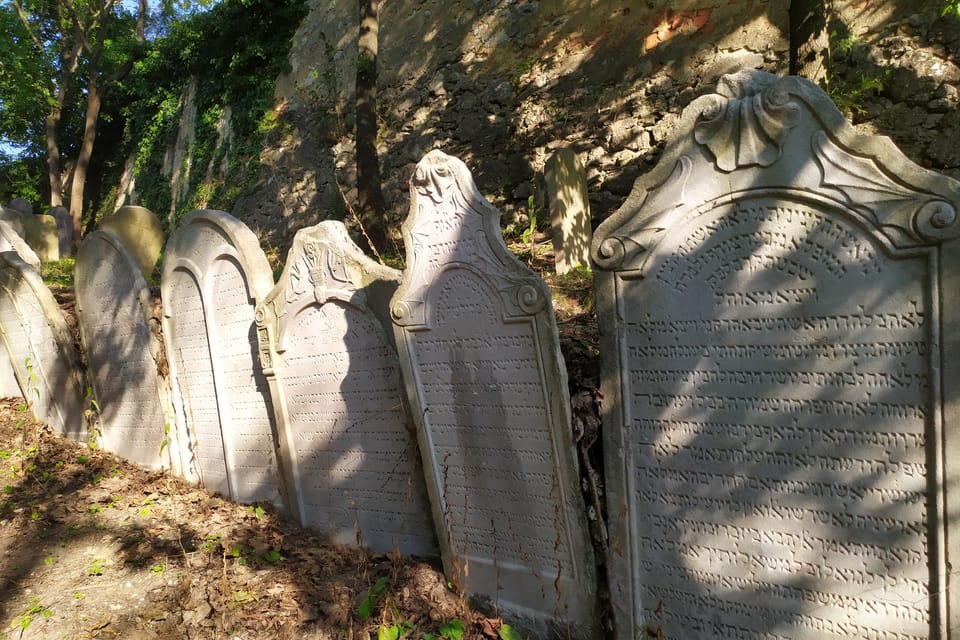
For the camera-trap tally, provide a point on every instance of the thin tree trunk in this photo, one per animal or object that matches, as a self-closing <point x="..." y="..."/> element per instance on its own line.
<point x="369" y="194"/>
<point x="94" y="101"/>
<point x="141" y="20"/>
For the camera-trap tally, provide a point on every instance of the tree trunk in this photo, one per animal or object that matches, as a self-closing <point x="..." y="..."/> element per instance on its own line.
<point x="141" y="20"/>
<point x="94" y="101"/>
<point x="809" y="40"/>
<point x="369" y="193"/>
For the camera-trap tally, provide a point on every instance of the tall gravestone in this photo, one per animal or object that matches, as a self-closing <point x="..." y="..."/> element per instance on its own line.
<point x="214" y="273"/>
<point x="140" y="231"/>
<point x="113" y="304"/>
<point x="779" y="312"/>
<point x="485" y="378"/>
<point x="570" y="229"/>
<point x="351" y="458"/>
<point x="41" y="350"/>
<point x="40" y="232"/>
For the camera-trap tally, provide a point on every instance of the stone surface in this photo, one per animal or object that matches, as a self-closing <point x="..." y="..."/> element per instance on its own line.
<point x="39" y="345"/>
<point x="113" y="311"/>
<point x="570" y="230"/>
<point x="335" y="380"/>
<point x="12" y="217"/>
<point x="779" y="327"/>
<point x="10" y="240"/>
<point x="214" y="273"/>
<point x="40" y="232"/>
<point x="64" y="230"/>
<point x="485" y="379"/>
<point x="22" y="206"/>
<point x="140" y="231"/>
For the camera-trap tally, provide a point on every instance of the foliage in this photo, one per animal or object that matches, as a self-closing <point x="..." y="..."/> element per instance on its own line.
<point x="234" y="76"/>
<point x="951" y="7"/>
<point x="365" y="610"/>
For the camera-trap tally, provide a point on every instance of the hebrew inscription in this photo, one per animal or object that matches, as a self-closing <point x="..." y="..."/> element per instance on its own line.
<point x="118" y="344"/>
<point x="213" y="274"/>
<point x="479" y="347"/>
<point x="354" y="463"/>
<point x="39" y="346"/>
<point x="778" y="417"/>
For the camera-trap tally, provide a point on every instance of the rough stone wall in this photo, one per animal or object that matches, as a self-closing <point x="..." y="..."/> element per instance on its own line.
<point x="502" y="83"/>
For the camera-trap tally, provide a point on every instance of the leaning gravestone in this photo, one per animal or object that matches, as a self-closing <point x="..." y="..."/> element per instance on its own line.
<point x="140" y="231"/>
<point x="782" y="363"/>
<point x="353" y="464"/>
<point x="214" y="273"/>
<point x="112" y="303"/>
<point x="566" y="186"/>
<point x="13" y="218"/>
<point x="40" y="348"/>
<point x="10" y="240"/>
<point x="485" y="378"/>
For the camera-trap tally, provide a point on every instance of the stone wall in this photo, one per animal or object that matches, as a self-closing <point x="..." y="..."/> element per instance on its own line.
<point x="502" y="84"/>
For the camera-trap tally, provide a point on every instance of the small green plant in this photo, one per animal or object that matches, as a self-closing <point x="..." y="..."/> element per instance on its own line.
<point x="507" y="632"/>
<point x="271" y="556"/>
<point x="367" y="605"/>
<point x="34" y="608"/>
<point x="83" y="459"/>
<point x="527" y="235"/>
<point x="145" y="509"/>
<point x="452" y="630"/>
<point x="394" y="631"/>
<point x="95" y="508"/>
<point x="256" y="510"/>
<point x="96" y="567"/>
<point x="211" y="543"/>
<point x="157" y="569"/>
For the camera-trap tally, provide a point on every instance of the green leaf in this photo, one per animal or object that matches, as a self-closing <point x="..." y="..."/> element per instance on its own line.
<point x="388" y="633"/>
<point x="508" y="633"/>
<point x="452" y="630"/>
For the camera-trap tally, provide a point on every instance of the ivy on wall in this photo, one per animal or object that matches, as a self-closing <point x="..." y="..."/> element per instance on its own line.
<point x="234" y="51"/>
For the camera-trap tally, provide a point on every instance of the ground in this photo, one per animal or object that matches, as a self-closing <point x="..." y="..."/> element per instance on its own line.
<point x="92" y="546"/>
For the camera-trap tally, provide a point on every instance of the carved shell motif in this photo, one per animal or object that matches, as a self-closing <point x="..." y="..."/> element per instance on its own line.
<point x="746" y="121"/>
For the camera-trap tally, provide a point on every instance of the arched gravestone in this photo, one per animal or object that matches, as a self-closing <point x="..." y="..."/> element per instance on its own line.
<point x="214" y="273"/>
<point x="40" y="348"/>
<point x="112" y="307"/>
<point x="484" y="375"/>
<point x="778" y="307"/>
<point x="353" y="470"/>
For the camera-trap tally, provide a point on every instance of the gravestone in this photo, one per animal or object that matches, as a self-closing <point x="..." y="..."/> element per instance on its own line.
<point x="10" y="240"/>
<point x="570" y="230"/>
<point x="140" y="231"/>
<point x="21" y="206"/>
<point x="40" y="232"/>
<point x="485" y="379"/>
<point x="113" y="309"/>
<point x="40" y="348"/>
<point x="64" y="230"/>
<point x="781" y="343"/>
<point x="13" y="218"/>
<point x="354" y="470"/>
<point x="214" y="273"/>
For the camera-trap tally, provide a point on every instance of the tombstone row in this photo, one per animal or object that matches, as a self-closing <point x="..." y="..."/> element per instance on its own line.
<point x="777" y="309"/>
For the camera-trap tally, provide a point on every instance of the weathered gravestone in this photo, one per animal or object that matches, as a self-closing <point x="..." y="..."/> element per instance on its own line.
<point x="140" y="231"/>
<point x="39" y="345"/>
<point x="484" y="375"/>
<point x="570" y="230"/>
<point x="350" y="455"/>
<point x="214" y="273"/>
<point x="10" y="240"/>
<point x="113" y="305"/>
<point x="13" y="218"/>
<point x="64" y="230"/>
<point x="21" y="206"/>
<point x="779" y="312"/>
<point x="40" y="232"/>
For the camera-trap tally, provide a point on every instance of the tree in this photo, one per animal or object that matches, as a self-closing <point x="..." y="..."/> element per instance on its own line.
<point x="373" y="208"/>
<point x="84" y="47"/>
<point x="809" y="40"/>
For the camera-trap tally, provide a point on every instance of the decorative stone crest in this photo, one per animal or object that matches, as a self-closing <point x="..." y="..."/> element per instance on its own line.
<point x="746" y="121"/>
